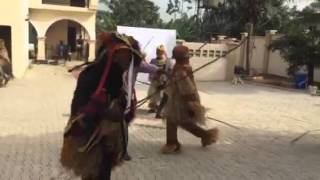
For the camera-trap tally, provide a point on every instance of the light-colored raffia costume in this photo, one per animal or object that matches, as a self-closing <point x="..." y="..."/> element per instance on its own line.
<point x="184" y="108"/>
<point x="155" y="80"/>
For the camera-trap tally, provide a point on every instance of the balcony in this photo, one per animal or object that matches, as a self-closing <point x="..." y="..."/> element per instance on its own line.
<point x="72" y="3"/>
<point x="87" y="6"/>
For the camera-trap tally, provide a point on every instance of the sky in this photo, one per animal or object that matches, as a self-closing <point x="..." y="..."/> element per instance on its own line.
<point x="166" y="17"/>
<point x="301" y="3"/>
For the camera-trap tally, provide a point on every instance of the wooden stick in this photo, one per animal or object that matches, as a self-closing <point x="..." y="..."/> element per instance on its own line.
<point x="303" y="135"/>
<point x="225" y="123"/>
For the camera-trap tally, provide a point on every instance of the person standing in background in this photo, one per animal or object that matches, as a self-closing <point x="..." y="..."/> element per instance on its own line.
<point x="160" y="62"/>
<point x="80" y="48"/>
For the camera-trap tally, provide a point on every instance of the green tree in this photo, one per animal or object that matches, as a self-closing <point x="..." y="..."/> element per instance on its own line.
<point x="186" y="28"/>
<point x="310" y="15"/>
<point x="138" y="13"/>
<point x="105" y="22"/>
<point x="230" y="17"/>
<point x="301" y="43"/>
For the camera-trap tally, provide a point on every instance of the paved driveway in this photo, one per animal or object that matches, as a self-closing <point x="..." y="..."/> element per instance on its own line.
<point x="34" y="110"/>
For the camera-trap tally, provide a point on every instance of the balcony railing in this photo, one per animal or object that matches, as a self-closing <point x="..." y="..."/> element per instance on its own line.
<point x="73" y="3"/>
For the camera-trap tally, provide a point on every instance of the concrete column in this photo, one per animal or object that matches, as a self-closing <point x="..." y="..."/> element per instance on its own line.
<point x="41" y="56"/>
<point x="243" y="50"/>
<point x="232" y="60"/>
<point x="93" y="4"/>
<point x="266" y="58"/>
<point x="92" y="50"/>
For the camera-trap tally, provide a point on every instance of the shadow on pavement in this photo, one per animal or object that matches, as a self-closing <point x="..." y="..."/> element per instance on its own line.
<point x="245" y="154"/>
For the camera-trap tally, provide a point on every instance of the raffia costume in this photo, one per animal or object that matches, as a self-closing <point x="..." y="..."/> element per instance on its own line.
<point x="184" y="108"/>
<point x="155" y="80"/>
<point x="184" y="105"/>
<point x="95" y="136"/>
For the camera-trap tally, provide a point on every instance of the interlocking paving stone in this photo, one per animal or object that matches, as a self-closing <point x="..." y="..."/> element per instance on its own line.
<point x="34" y="111"/>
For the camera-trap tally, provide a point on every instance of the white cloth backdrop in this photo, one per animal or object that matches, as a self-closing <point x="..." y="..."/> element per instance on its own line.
<point x="149" y="40"/>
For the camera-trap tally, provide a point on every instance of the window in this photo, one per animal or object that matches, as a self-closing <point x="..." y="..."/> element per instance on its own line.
<point x="75" y="3"/>
<point x="191" y="52"/>
<point x="218" y="53"/>
<point x="198" y="53"/>
<point x="205" y="53"/>
<point x="224" y="53"/>
<point x="211" y="53"/>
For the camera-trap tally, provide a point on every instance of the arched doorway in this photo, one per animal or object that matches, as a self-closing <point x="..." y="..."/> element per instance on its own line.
<point x="33" y="42"/>
<point x="66" y="40"/>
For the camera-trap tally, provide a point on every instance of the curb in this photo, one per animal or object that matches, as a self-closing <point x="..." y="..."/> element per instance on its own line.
<point x="304" y="91"/>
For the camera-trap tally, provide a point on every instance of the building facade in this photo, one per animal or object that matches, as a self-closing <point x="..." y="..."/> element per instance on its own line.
<point x="42" y="24"/>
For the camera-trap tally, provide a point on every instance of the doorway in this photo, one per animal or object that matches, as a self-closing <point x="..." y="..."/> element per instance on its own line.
<point x="5" y="34"/>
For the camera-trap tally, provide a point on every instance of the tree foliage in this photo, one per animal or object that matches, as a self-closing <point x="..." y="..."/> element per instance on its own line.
<point x="186" y="27"/>
<point x="105" y="22"/>
<point x="137" y="13"/>
<point x="301" y="43"/>
<point x="310" y="15"/>
<point x="230" y="17"/>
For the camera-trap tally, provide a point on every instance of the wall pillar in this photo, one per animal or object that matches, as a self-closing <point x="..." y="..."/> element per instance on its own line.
<point x="41" y="55"/>
<point x="266" y="58"/>
<point x="92" y="50"/>
<point x="232" y="60"/>
<point x="93" y="4"/>
<point x="243" y="50"/>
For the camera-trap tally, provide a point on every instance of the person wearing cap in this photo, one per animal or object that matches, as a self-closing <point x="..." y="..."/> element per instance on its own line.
<point x="184" y="108"/>
<point x="164" y="79"/>
<point x="160" y="62"/>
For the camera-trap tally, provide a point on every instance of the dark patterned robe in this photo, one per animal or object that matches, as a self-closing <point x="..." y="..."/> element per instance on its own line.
<point x="94" y="145"/>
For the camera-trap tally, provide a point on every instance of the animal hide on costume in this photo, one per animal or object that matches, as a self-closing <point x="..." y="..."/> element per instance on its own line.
<point x="183" y="99"/>
<point x="88" y="141"/>
<point x="95" y="138"/>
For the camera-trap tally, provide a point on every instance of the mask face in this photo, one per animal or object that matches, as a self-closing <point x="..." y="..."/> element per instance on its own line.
<point x="123" y="57"/>
<point x="160" y="54"/>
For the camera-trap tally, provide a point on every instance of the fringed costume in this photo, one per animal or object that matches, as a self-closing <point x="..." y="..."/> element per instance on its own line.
<point x="183" y="108"/>
<point x="95" y="138"/>
<point x="155" y="80"/>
